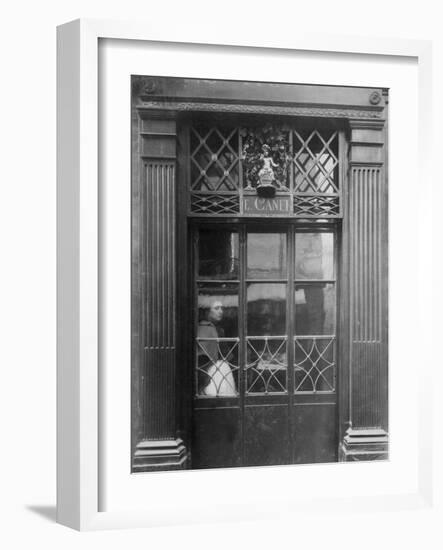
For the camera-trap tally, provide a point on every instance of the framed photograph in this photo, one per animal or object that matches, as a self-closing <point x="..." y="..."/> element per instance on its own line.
<point x="232" y="221"/>
<point x="259" y="273"/>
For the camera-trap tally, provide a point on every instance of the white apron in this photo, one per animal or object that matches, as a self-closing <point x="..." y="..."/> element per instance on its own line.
<point x="222" y="381"/>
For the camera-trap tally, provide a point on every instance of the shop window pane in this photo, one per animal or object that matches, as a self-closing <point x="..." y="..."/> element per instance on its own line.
<point x="314" y="256"/>
<point x="266" y="365"/>
<point x="217" y="367"/>
<point x="217" y="344"/>
<point x="218" y="308"/>
<point x="314" y="309"/>
<point x="266" y="256"/>
<point x="266" y="309"/>
<point x="314" y="364"/>
<point x="217" y="254"/>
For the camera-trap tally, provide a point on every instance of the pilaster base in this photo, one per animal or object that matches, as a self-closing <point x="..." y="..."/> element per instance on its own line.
<point x="364" y="444"/>
<point x="167" y="454"/>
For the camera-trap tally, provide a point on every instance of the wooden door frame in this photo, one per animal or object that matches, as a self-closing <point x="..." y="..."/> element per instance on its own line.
<point x="364" y="111"/>
<point x="290" y="227"/>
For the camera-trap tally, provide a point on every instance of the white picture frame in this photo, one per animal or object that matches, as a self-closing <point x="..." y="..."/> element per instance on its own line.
<point x="83" y="475"/>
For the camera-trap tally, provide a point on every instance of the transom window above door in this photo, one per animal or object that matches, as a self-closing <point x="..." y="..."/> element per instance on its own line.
<point x="228" y="164"/>
<point x="265" y="311"/>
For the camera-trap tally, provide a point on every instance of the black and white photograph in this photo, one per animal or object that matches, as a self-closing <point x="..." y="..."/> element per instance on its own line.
<point x="221" y="286"/>
<point x="259" y="273"/>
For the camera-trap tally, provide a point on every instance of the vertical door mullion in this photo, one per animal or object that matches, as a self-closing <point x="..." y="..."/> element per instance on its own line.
<point x="290" y="333"/>
<point x="195" y="261"/>
<point x="337" y="290"/>
<point x="240" y="169"/>
<point x="291" y="169"/>
<point x="242" y="335"/>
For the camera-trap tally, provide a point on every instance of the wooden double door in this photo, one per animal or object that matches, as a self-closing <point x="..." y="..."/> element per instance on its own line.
<point x="264" y="343"/>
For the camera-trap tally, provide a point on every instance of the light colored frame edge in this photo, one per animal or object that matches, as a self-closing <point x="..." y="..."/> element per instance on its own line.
<point x="77" y="249"/>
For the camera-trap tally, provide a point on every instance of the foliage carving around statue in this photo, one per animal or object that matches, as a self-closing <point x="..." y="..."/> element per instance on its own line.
<point x="266" y="159"/>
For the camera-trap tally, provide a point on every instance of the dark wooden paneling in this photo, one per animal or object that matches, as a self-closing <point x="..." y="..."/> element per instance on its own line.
<point x="137" y="330"/>
<point x="160" y="381"/>
<point x="316" y="434"/>
<point x="363" y="153"/>
<point x="160" y="254"/>
<point x="184" y="344"/>
<point x="158" y="126"/>
<point x="156" y="441"/>
<point x="368" y="360"/>
<point x="266" y="435"/>
<point x="366" y="257"/>
<point x="158" y="145"/>
<point x="217" y="438"/>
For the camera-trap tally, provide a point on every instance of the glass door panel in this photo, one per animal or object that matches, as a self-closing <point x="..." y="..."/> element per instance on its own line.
<point x="314" y="258"/>
<point x="218" y="254"/>
<point x="266" y="256"/>
<point x="314" y="313"/>
<point x="217" y="349"/>
<point x="264" y="346"/>
<point x="266" y="314"/>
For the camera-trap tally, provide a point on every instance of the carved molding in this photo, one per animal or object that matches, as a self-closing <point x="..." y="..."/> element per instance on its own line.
<point x="267" y="109"/>
<point x="366" y="124"/>
<point x="369" y="164"/>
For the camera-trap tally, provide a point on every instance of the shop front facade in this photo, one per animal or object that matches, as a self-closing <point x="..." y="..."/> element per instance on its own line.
<point x="259" y="274"/>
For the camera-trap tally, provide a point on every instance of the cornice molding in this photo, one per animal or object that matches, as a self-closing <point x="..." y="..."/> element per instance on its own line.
<point x="362" y="123"/>
<point x="360" y="164"/>
<point x="264" y="109"/>
<point x="355" y="143"/>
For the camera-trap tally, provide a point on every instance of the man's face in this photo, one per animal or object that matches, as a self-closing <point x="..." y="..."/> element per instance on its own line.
<point x="216" y="312"/>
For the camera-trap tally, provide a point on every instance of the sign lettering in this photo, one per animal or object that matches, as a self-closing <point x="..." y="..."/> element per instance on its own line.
<point x="281" y="205"/>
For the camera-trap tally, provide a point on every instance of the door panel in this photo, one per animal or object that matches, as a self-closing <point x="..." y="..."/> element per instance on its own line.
<point x="265" y="346"/>
<point x="315" y="433"/>
<point x="266" y="435"/>
<point x="217" y="438"/>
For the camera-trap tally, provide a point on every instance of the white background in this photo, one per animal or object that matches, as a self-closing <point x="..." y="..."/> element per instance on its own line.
<point x="27" y="301"/>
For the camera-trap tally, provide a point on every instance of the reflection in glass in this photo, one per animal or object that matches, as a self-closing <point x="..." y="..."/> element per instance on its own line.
<point x="217" y="254"/>
<point x="314" y="309"/>
<point x="216" y="341"/>
<point x="314" y="255"/>
<point x="266" y="255"/>
<point x="266" y="365"/>
<point x="266" y="309"/>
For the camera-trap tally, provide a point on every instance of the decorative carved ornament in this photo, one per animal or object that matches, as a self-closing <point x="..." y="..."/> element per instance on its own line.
<point x="266" y="160"/>
<point x="374" y="98"/>
<point x="142" y="86"/>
